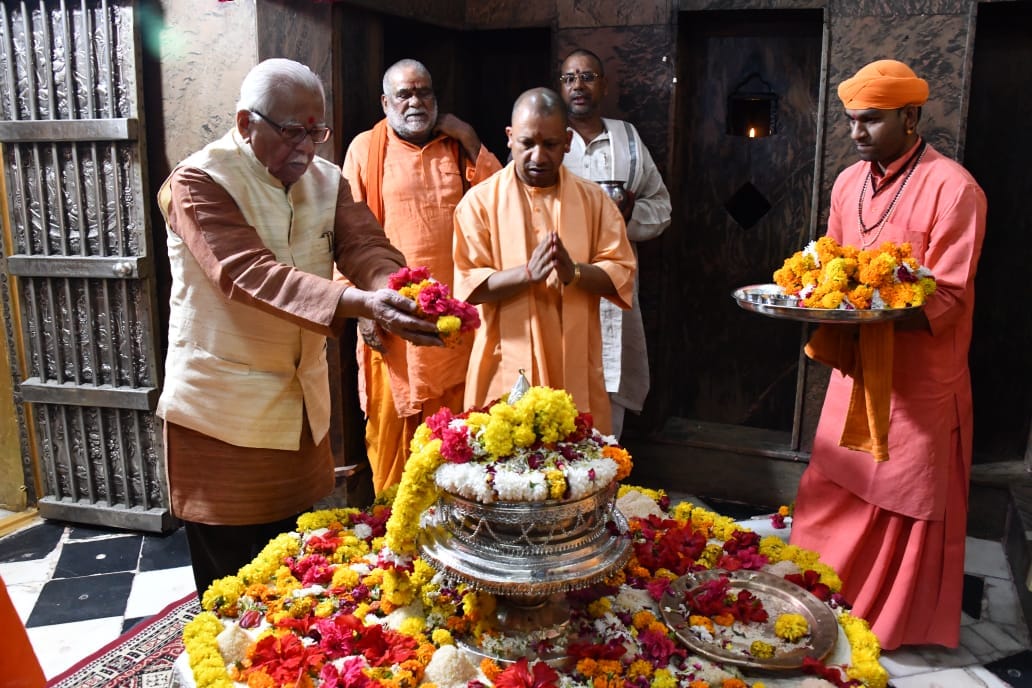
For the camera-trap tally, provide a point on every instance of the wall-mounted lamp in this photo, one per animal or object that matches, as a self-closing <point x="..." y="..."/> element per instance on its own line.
<point x="752" y="113"/>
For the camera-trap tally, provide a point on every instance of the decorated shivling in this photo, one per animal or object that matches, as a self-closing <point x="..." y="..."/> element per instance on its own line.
<point x="510" y="555"/>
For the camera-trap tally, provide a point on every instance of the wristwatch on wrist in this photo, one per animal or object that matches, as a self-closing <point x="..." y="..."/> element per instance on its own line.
<point x="576" y="275"/>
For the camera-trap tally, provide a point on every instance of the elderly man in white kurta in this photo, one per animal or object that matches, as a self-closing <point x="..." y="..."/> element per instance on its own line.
<point x="605" y="149"/>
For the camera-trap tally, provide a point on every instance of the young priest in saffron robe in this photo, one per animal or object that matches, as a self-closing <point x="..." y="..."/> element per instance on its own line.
<point x="538" y="247"/>
<point x="894" y="529"/>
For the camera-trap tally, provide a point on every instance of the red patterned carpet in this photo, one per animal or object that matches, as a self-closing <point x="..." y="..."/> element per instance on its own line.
<point x="142" y="658"/>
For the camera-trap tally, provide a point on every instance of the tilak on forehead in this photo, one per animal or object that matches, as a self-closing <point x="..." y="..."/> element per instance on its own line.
<point x="883" y="85"/>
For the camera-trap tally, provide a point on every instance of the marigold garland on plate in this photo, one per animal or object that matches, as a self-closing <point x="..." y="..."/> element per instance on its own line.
<point x="827" y="275"/>
<point x="435" y="301"/>
<point x="315" y="609"/>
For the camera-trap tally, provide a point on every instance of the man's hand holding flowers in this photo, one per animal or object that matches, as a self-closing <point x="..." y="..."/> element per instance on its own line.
<point x="434" y="302"/>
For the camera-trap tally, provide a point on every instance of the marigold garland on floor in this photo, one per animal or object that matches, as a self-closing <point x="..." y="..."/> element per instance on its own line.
<point x="328" y="606"/>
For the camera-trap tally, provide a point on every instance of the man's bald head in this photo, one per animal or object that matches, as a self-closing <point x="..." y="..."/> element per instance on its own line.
<point x="540" y="102"/>
<point x="539" y="136"/>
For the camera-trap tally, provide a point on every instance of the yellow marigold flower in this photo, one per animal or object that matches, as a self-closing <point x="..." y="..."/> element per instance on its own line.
<point x="663" y="678"/>
<point x="772" y="547"/>
<point x="442" y="636"/>
<point x="682" y="512"/>
<point x="791" y="627"/>
<point x="864" y="665"/>
<point x="639" y="668"/>
<point x="344" y="577"/>
<point x="498" y="432"/>
<point x="556" y="483"/>
<point x="447" y="324"/>
<point x="761" y="650"/>
<point x="324" y="609"/>
<point x="724" y="526"/>
<point x="222" y="595"/>
<point x="412" y="626"/>
<point x="523" y="435"/>
<point x="397" y="588"/>
<point x="784" y="510"/>
<point x="599" y="607"/>
<point x="302" y="607"/>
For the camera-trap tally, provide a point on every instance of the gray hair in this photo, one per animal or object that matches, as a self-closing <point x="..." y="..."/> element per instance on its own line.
<point x="406" y="63"/>
<point x="273" y="79"/>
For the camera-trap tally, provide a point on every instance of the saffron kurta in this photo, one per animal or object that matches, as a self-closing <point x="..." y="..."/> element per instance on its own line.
<point x="550" y="332"/>
<point x="895" y="530"/>
<point x="618" y="153"/>
<point x="223" y="482"/>
<point x="421" y="187"/>
<point x="419" y="190"/>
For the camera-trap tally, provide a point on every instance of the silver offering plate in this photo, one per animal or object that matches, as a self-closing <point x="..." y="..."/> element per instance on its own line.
<point x="778" y="596"/>
<point x="771" y="300"/>
<point x="526" y="550"/>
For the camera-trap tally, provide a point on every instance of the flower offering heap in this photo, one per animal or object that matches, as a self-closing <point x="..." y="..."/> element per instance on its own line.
<point x="318" y="608"/>
<point x="435" y="301"/>
<point x="526" y="493"/>
<point x="827" y="275"/>
<point x="537" y="448"/>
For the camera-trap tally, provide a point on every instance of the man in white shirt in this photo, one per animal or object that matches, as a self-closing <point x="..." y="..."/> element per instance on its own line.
<point x="604" y="149"/>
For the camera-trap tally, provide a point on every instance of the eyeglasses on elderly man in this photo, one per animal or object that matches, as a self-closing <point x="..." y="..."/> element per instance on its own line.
<point x="295" y="133"/>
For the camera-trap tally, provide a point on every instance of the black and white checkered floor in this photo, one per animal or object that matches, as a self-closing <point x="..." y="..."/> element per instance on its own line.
<point x="78" y="588"/>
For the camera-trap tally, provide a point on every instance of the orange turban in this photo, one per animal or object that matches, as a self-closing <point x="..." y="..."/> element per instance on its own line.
<point x="883" y="85"/>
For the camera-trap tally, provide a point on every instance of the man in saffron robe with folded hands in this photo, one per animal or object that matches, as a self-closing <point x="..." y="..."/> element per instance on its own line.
<point x="538" y="248"/>
<point x="411" y="169"/>
<point x="894" y="528"/>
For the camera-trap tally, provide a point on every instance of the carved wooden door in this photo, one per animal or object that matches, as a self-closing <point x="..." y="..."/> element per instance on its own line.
<point x="78" y="289"/>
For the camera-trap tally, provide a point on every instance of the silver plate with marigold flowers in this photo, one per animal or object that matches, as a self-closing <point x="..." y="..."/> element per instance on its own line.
<point x="772" y="301"/>
<point x="731" y="617"/>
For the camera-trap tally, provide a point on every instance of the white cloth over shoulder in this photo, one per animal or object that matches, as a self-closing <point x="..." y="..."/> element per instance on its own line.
<point x="618" y="153"/>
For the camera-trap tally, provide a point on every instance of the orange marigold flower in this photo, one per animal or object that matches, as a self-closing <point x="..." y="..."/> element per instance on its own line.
<point x="622" y="459"/>
<point x="723" y="619"/>
<point x="733" y="683"/>
<point x="587" y="666"/>
<point x="700" y="620"/>
<point x="260" y="679"/>
<point x="490" y="668"/>
<point x="643" y="619"/>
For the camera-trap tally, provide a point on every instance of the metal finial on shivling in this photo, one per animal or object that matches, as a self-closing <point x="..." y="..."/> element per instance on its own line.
<point x="519" y="389"/>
